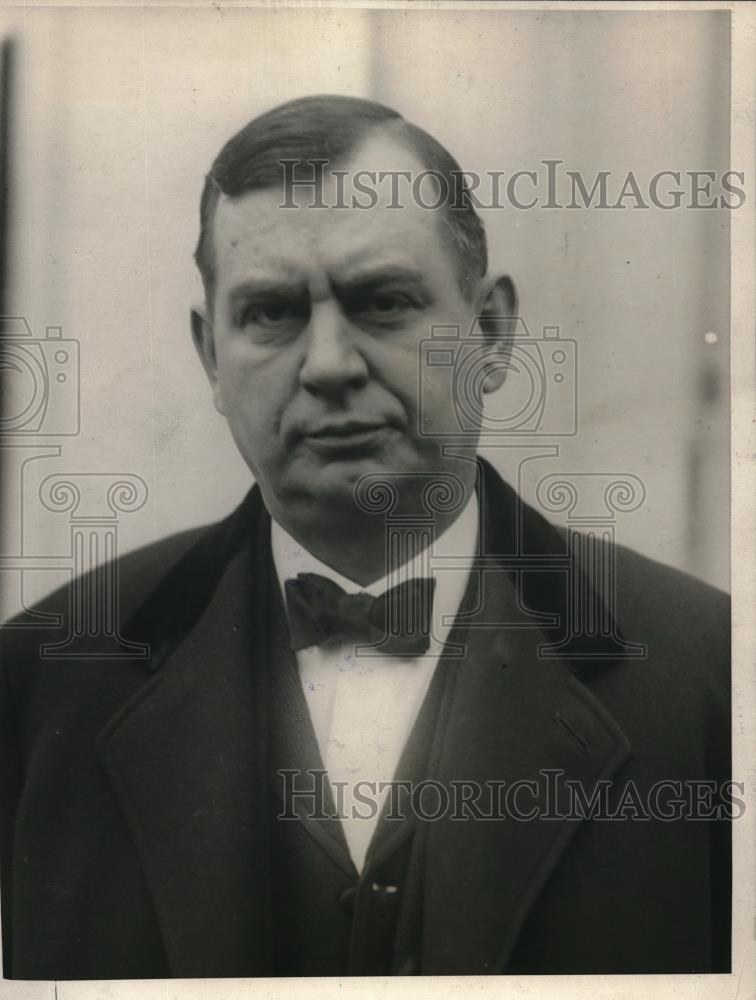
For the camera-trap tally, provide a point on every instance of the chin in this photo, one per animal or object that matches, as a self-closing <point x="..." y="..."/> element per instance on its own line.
<point x="336" y="482"/>
<point x="330" y="485"/>
<point x="332" y="481"/>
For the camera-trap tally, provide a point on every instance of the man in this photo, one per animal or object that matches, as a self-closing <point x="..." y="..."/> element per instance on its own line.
<point x="381" y="607"/>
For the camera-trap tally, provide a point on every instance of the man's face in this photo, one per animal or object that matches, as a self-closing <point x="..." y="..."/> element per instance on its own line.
<point x="313" y="344"/>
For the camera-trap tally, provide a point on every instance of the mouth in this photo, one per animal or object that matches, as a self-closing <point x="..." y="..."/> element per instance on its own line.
<point x="347" y="436"/>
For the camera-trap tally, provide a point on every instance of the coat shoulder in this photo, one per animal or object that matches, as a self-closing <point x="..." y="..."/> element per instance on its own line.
<point x="683" y="623"/>
<point x="655" y="592"/>
<point x="670" y="598"/>
<point x="137" y="574"/>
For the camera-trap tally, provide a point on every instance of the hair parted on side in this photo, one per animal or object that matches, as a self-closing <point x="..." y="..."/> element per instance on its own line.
<point x="328" y="128"/>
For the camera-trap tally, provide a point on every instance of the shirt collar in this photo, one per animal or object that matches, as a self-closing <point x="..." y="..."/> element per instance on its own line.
<point x="458" y="544"/>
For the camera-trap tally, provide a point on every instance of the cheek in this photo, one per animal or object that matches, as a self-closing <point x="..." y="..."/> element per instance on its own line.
<point x="406" y="382"/>
<point x="395" y="364"/>
<point x="243" y="394"/>
<point x="256" y="389"/>
<point x="436" y="409"/>
<point x="243" y="370"/>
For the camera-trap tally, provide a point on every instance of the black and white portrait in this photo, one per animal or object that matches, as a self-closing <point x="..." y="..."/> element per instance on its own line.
<point x="366" y="492"/>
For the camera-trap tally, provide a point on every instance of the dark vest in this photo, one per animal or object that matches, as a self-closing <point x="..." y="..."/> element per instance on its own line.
<point x="327" y="919"/>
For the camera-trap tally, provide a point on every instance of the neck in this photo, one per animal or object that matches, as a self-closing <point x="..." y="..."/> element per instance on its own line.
<point x="357" y="546"/>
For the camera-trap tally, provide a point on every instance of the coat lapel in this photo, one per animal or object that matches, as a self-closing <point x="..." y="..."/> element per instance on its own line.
<point x="509" y="716"/>
<point x="295" y="749"/>
<point x="186" y="758"/>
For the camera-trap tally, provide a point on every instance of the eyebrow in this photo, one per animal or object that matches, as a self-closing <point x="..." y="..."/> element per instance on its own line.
<point x="367" y="277"/>
<point x="251" y="287"/>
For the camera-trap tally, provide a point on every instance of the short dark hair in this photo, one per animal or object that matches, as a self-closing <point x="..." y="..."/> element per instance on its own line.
<point x="328" y="128"/>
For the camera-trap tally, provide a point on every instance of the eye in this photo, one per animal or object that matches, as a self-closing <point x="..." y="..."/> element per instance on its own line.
<point x="272" y="313"/>
<point x="385" y="302"/>
<point x="385" y="305"/>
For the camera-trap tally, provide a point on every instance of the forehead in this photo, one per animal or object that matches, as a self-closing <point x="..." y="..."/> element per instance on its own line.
<point x="253" y="233"/>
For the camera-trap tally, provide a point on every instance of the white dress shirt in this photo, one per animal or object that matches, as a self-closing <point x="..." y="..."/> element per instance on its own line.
<point x="363" y="708"/>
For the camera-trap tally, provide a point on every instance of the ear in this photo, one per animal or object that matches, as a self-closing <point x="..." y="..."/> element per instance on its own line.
<point x="497" y="316"/>
<point x="203" y="336"/>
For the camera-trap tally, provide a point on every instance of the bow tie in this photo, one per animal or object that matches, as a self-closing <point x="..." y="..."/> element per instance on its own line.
<point x="398" y="620"/>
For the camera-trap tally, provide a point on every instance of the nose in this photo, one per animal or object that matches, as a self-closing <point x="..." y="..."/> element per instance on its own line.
<point x="332" y="364"/>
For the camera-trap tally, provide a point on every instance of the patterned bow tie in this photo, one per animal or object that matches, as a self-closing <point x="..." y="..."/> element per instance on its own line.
<point x="398" y="622"/>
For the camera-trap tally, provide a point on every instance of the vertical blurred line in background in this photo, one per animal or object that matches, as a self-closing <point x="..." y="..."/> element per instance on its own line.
<point x="707" y="531"/>
<point x="7" y="68"/>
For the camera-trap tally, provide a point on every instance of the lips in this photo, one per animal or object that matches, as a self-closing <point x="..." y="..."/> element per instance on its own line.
<point x="345" y="429"/>
<point x="346" y="437"/>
